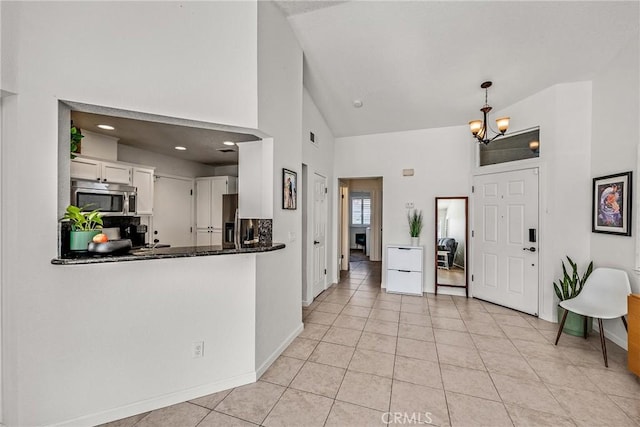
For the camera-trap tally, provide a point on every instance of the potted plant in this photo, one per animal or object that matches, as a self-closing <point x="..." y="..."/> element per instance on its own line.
<point x="569" y="287"/>
<point x="84" y="226"/>
<point x="415" y="226"/>
<point x="76" y="138"/>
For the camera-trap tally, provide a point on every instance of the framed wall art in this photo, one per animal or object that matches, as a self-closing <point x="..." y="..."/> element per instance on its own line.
<point x="612" y="204"/>
<point x="290" y="189"/>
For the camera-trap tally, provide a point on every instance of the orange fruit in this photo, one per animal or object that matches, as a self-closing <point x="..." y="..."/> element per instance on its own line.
<point x="100" y="238"/>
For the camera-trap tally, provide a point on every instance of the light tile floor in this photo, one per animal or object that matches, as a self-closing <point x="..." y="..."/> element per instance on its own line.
<point x="366" y="358"/>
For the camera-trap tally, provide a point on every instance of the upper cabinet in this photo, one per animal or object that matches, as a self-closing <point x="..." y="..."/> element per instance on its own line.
<point x="143" y="181"/>
<point x="97" y="170"/>
<point x="116" y="173"/>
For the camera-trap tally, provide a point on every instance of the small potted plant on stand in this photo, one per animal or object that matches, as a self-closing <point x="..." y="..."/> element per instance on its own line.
<point x="84" y="226"/>
<point x="415" y="226"/>
<point x="569" y="287"/>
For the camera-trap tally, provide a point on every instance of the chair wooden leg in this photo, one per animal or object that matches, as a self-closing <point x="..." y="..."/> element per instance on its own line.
<point x="585" y="327"/>
<point x="624" y="321"/>
<point x="603" y="343"/>
<point x="564" y="318"/>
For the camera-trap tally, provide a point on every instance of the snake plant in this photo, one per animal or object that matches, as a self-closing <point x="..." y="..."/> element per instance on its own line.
<point x="571" y="284"/>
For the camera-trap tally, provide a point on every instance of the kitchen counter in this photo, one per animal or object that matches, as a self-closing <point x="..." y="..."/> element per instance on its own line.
<point x="162" y="253"/>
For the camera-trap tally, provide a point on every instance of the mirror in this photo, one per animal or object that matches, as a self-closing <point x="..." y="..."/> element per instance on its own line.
<point x="451" y="242"/>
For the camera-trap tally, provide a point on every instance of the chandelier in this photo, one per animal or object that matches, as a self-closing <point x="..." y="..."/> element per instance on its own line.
<point x="479" y="128"/>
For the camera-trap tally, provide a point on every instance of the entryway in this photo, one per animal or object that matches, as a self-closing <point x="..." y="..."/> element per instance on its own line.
<point x="360" y="225"/>
<point x="505" y="239"/>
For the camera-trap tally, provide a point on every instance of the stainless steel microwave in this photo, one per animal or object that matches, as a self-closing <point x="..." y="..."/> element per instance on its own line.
<point x="109" y="199"/>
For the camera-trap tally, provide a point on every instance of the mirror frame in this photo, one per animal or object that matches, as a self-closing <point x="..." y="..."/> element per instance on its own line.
<point x="466" y="243"/>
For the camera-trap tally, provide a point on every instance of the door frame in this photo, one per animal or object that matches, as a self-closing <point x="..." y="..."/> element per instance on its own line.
<point x="312" y="183"/>
<point x="514" y="167"/>
<point x="343" y="227"/>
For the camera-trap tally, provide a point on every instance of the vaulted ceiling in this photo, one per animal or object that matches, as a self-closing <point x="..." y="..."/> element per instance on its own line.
<point x="419" y="64"/>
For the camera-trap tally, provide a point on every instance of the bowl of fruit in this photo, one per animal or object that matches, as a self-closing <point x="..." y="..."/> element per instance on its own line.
<point x="102" y="245"/>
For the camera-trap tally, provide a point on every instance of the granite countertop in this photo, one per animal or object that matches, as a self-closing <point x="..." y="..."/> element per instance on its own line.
<point x="162" y="253"/>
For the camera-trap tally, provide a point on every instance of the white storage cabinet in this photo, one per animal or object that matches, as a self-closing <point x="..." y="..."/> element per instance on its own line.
<point x="97" y="170"/>
<point x="404" y="269"/>
<point x="209" y="193"/>
<point x="143" y="181"/>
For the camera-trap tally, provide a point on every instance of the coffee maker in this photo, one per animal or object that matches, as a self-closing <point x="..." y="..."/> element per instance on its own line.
<point x="138" y="235"/>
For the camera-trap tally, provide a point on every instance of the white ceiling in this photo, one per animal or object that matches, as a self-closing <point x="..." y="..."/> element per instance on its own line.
<point x="419" y="64"/>
<point x="203" y="145"/>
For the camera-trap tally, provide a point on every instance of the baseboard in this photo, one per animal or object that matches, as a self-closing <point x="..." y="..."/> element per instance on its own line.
<point x="160" y="402"/>
<point x="620" y="341"/>
<point x="272" y="358"/>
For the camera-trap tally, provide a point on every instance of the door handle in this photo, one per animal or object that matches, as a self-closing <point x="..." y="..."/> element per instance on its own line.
<point x="315" y="242"/>
<point x="532" y="249"/>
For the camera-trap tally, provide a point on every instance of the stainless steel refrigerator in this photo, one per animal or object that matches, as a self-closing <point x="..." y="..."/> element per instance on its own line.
<point x="229" y="210"/>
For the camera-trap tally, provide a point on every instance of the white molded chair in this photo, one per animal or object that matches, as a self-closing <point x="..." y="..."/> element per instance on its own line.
<point x="604" y="296"/>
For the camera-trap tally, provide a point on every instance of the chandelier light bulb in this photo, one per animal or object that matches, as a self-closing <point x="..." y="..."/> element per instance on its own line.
<point x="503" y="124"/>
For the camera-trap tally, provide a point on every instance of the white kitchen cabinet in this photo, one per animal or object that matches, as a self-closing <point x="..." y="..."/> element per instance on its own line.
<point x="97" y="170"/>
<point x="88" y="169"/>
<point x="116" y="173"/>
<point x="209" y="193"/>
<point x="142" y="179"/>
<point x="404" y="269"/>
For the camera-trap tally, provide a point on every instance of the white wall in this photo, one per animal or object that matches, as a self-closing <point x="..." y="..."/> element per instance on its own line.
<point x="319" y="159"/>
<point x="164" y="164"/>
<point x="227" y="170"/>
<point x="67" y="329"/>
<point x="434" y="154"/>
<point x="614" y="149"/>
<point x="279" y="311"/>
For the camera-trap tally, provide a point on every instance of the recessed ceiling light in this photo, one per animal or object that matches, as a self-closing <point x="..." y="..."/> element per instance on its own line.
<point x="180" y="148"/>
<point x="106" y="127"/>
<point x="357" y="103"/>
<point x="229" y="143"/>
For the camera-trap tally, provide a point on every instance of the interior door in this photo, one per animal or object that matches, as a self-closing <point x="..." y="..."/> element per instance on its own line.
<point x="172" y="211"/>
<point x="505" y="260"/>
<point x="319" y="234"/>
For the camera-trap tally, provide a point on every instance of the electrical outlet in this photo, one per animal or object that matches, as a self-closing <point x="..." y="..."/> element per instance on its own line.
<point x="197" y="349"/>
<point x="409" y="205"/>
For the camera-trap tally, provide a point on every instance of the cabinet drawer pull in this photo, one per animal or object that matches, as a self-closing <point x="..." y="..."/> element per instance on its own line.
<point x="405" y="249"/>
<point x="405" y="271"/>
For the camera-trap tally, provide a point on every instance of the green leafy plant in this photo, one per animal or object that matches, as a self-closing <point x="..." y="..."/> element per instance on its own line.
<point x="415" y="223"/>
<point x="82" y="220"/>
<point x="76" y="137"/>
<point x="571" y="284"/>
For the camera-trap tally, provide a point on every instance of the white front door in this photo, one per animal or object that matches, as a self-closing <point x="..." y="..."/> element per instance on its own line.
<point x="172" y="211"/>
<point x="505" y="234"/>
<point x="319" y="234"/>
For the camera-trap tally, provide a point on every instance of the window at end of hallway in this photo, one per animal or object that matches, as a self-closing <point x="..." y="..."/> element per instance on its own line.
<point x="360" y="209"/>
